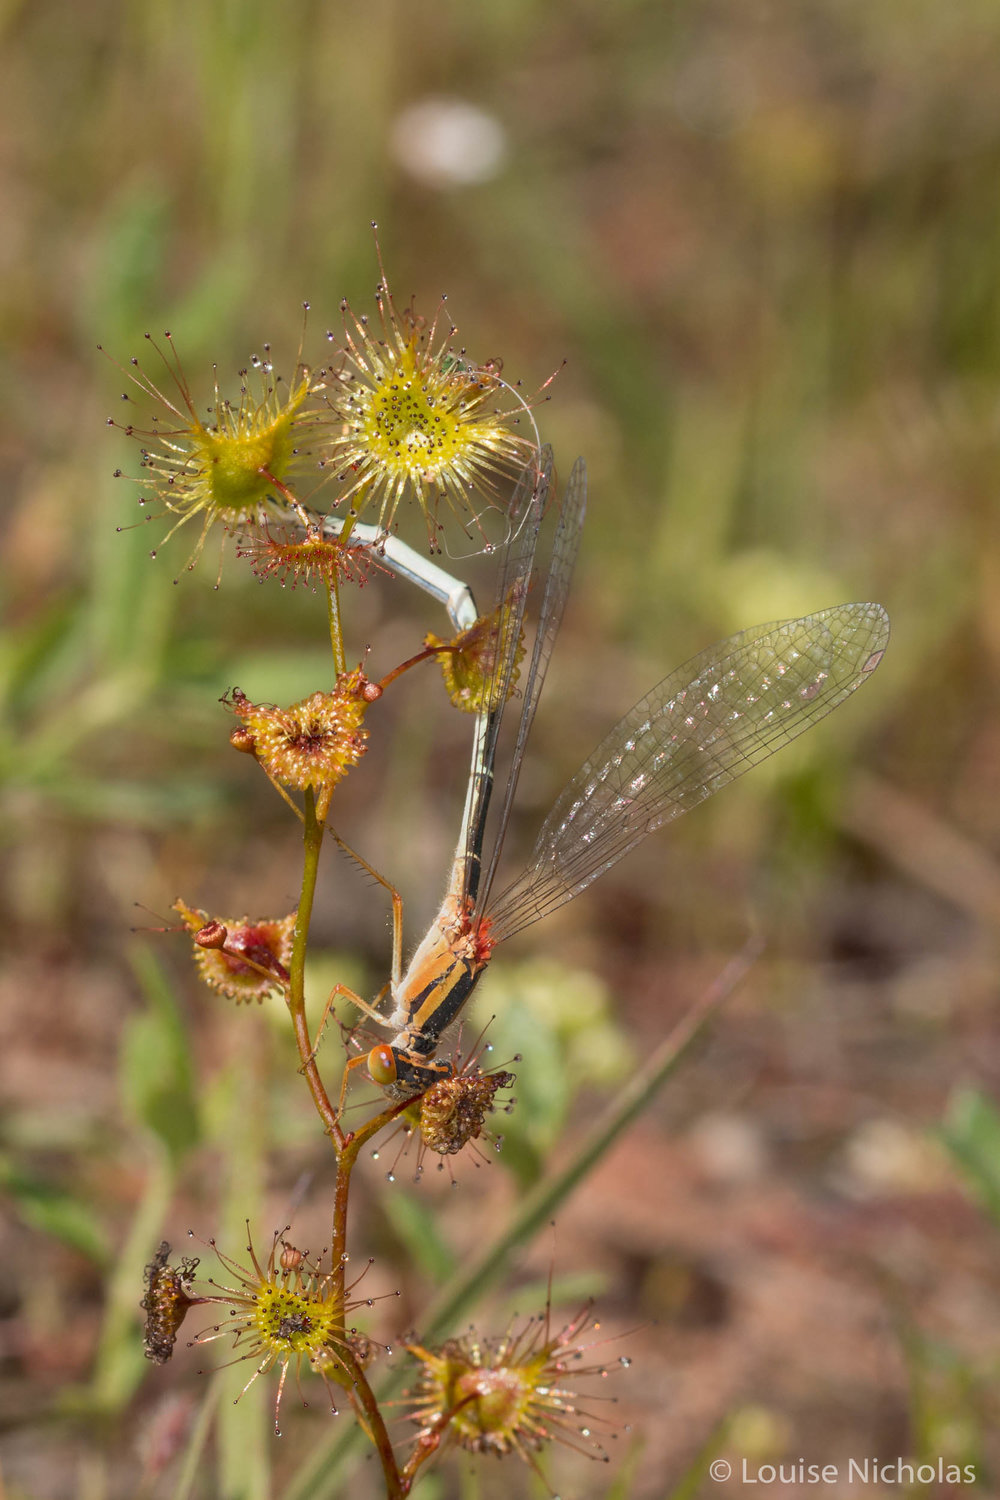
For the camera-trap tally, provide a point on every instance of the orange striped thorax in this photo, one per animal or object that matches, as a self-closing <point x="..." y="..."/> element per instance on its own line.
<point x="441" y="975"/>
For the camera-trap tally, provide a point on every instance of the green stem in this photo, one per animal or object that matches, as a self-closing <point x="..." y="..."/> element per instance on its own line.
<point x="375" y="1428"/>
<point x="347" y="1157"/>
<point x="414" y="661"/>
<point x="336" y="625"/>
<point x="347" y="1148"/>
<point x="362" y="1394"/>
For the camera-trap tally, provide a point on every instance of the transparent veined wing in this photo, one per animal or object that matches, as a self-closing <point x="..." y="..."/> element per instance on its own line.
<point x="527" y="510"/>
<point x="521" y="569"/>
<point x="557" y="572"/>
<point x="726" y="710"/>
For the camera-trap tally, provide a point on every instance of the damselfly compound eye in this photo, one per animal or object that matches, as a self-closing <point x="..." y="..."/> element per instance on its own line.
<point x="382" y="1065"/>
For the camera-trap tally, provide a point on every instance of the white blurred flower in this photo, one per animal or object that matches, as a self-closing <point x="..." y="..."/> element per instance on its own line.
<point x="885" y="1156"/>
<point x="448" y="142"/>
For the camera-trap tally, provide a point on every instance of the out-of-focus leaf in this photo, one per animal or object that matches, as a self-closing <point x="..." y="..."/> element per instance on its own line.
<point x="521" y="1159"/>
<point x="157" y="1076"/>
<point x="415" y="1222"/>
<point x="140" y="803"/>
<point x="971" y="1131"/>
<point x="128" y="254"/>
<point x="544" y="1086"/>
<point x="39" y="657"/>
<point x="558" y="1022"/>
<point x="54" y="1211"/>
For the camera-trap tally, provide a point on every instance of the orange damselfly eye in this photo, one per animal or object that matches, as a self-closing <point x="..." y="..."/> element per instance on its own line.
<point x="382" y="1065"/>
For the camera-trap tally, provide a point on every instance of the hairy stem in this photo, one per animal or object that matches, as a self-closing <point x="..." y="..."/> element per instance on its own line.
<point x="296" y="998"/>
<point x="336" y="626"/>
<point x="347" y="1157"/>
<point x="374" y="1425"/>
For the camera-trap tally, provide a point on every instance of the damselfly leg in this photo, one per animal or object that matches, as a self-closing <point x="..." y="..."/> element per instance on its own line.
<point x="343" y="991"/>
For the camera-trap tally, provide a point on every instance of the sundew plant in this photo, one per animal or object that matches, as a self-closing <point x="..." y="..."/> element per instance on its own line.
<point x="309" y="478"/>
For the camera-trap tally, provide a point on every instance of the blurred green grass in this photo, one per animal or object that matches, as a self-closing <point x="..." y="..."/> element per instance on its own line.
<point x="765" y="240"/>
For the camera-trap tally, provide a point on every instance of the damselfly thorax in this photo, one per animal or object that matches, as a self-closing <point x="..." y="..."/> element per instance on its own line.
<point x="440" y="977"/>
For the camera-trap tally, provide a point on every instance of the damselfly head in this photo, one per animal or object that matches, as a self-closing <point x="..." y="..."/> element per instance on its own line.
<point x="451" y="1112"/>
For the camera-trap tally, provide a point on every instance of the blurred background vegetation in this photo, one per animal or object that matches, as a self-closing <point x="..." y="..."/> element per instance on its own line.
<point x="766" y="240"/>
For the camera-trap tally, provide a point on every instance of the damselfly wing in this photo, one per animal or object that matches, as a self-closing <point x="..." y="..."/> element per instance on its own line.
<point x="703" y="726"/>
<point x="723" y="712"/>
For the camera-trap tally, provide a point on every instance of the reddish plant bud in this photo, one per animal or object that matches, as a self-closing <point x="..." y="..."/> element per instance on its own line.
<point x="212" y="935"/>
<point x="241" y="739"/>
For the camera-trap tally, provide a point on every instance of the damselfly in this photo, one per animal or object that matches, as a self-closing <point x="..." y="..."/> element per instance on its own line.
<point x="704" y="725"/>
